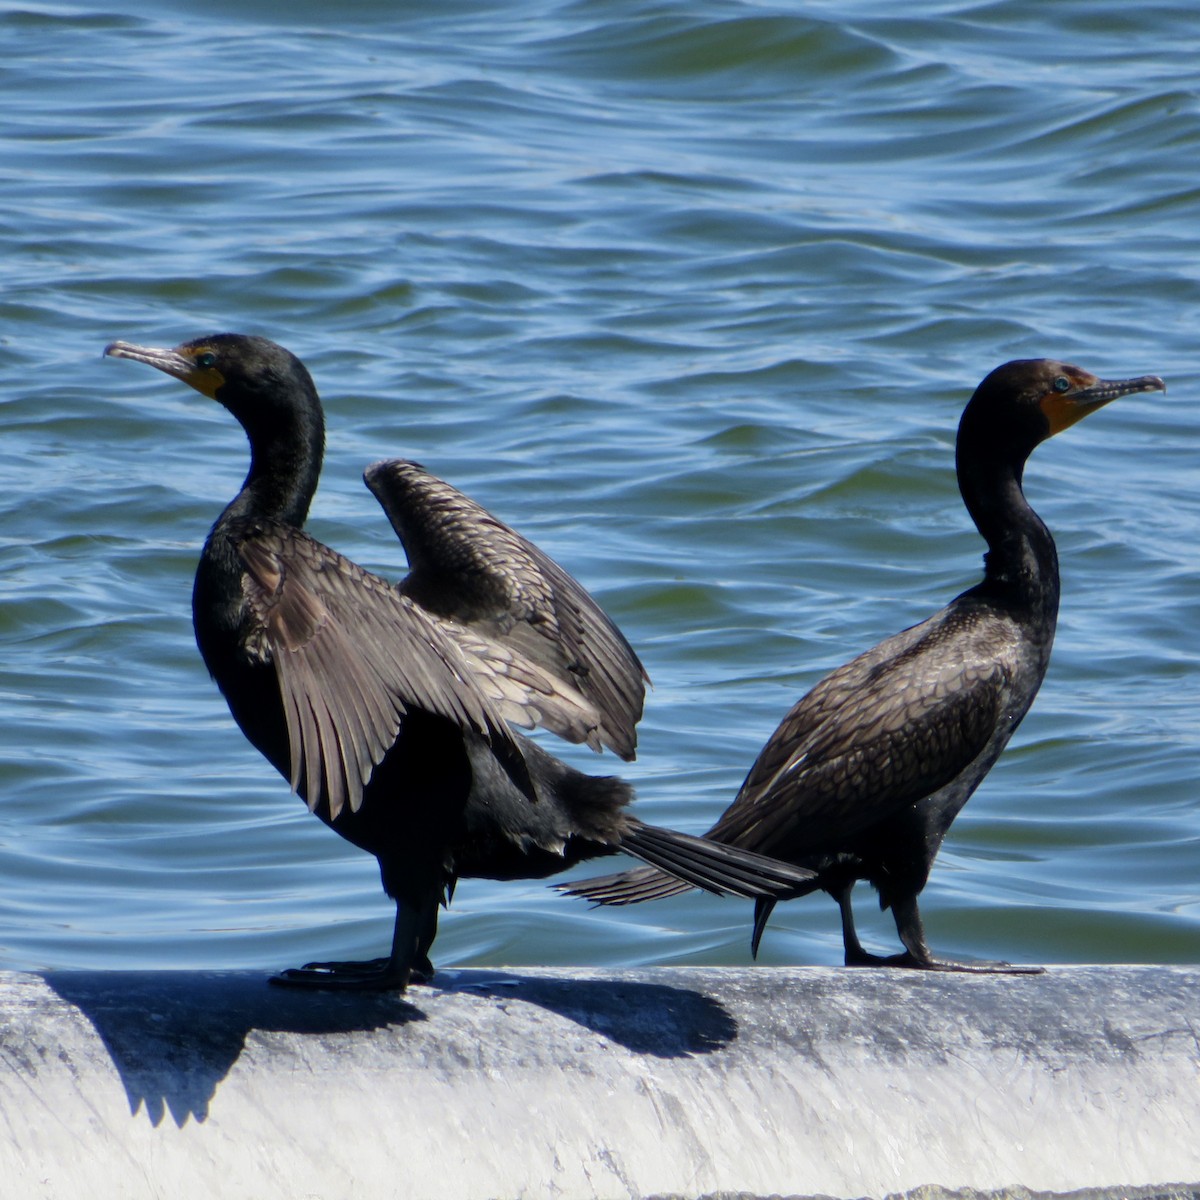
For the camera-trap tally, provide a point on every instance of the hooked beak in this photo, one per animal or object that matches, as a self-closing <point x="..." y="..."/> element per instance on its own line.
<point x="206" y="380"/>
<point x="170" y="361"/>
<point x="1065" y="409"/>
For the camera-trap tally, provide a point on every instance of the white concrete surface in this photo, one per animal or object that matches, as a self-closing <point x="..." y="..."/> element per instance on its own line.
<point x="576" y="1083"/>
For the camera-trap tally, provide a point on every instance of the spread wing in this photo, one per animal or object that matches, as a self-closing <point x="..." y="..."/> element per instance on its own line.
<point x="880" y="733"/>
<point x="474" y="572"/>
<point x="352" y="656"/>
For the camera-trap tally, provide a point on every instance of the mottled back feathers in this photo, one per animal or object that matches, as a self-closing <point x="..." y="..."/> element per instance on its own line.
<point x="879" y="733"/>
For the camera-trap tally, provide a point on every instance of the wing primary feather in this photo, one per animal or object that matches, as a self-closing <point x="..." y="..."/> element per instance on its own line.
<point x="338" y="786"/>
<point x="352" y="655"/>
<point x="311" y="748"/>
<point x="291" y="715"/>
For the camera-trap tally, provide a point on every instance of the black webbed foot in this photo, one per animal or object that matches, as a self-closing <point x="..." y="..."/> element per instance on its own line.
<point x="360" y="967"/>
<point x="861" y="958"/>
<point x="412" y="935"/>
<point x="917" y="955"/>
<point x="974" y="968"/>
<point x="373" y="975"/>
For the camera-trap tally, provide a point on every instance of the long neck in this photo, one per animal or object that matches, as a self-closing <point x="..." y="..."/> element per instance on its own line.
<point x="1021" y="564"/>
<point x="285" y="465"/>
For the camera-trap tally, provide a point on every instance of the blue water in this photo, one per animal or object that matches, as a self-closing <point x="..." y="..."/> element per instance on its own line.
<point x="690" y="293"/>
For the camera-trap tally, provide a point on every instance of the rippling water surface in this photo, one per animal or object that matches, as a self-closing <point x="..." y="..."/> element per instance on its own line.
<point x="692" y="294"/>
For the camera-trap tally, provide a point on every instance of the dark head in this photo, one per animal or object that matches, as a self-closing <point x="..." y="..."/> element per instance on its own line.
<point x="271" y="393"/>
<point x="260" y="382"/>
<point x="1017" y="407"/>
<point x="1022" y="403"/>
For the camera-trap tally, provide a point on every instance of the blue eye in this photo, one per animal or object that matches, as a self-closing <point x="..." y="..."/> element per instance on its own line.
<point x="1062" y="384"/>
<point x="209" y="359"/>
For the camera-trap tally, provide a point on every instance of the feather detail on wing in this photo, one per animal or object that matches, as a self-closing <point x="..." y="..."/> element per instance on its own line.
<point x="525" y="693"/>
<point x="352" y="656"/>
<point x="467" y="567"/>
<point x="880" y="733"/>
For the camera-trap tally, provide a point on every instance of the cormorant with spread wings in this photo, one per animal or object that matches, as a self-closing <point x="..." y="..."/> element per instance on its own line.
<point x="388" y="707"/>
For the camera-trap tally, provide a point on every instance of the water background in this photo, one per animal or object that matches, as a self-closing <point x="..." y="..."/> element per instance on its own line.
<point x="692" y="293"/>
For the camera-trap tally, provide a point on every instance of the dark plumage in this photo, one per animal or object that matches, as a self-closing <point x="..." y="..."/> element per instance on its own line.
<point x="866" y="773"/>
<point x="388" y="707"/>
<point x="516" y="608"/>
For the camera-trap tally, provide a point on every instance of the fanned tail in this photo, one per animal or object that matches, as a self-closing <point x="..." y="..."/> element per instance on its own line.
<point x="682" y="861"/>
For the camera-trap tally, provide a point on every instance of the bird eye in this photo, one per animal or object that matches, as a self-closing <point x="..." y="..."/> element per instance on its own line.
<point x="209" y="359"/>
<point x="1062" y="384"/>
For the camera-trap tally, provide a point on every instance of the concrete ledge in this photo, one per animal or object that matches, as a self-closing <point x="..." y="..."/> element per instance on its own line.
<point x="576" y="1083"/>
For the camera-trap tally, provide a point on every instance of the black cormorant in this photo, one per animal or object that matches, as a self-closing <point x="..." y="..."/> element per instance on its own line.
<point x="866" y="773"/>
<point x="388" y="706"/>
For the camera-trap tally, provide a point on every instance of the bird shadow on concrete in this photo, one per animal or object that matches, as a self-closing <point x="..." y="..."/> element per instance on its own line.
<point x="174" y="1036"/>
<point x="662" y="1020"/>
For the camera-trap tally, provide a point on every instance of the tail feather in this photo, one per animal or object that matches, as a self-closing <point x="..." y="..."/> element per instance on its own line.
<point x="729" y="870"/>
<point x="763" y="907"/>
<point x="627" y="887"/>
<point x="692" y="861"/>
<point x="683" y="861"/>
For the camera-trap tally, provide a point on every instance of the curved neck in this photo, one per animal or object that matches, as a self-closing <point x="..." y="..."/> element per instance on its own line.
<point x="285" y="465"/>
<point x="1021" y="563"/>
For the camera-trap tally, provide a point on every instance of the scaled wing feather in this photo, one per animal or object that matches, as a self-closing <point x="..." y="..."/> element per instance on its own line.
<point x="470" y="568"/>
<point x="351" y="656"/>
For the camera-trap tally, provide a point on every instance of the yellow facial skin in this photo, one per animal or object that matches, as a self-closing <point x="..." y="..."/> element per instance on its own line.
<point x="191" y="362"/>
<point x="1083" y="393"/>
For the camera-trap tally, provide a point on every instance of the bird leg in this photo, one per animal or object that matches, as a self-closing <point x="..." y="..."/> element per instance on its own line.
<point x="422" y="967"/>
<point x="919" y="956"/>
<point x="412" y="936"/>
<point x="856" y="956"/>
<point x="916" y="955"/>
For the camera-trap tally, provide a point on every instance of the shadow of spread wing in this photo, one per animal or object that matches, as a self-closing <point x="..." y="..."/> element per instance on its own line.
<point x="566" y="665"/>
<point x="352" y="657"/>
